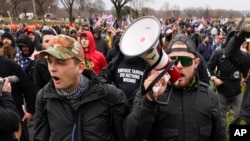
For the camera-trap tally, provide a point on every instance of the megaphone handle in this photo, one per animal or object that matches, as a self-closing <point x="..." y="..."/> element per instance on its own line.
<point x="157" y="88"/>
<point x="151" y="86"/>
<point x="158" y="101"/>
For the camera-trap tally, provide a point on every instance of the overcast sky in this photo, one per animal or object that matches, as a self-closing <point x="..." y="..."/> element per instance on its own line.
<point x="212" y="4"/>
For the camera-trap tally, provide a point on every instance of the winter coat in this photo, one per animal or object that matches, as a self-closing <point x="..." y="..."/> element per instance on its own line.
<point x="22" y="90"/>
<point x="9" y="117"/>
<point x="241" y="58"/>
<point x="94" y="120"/>
<point x="41" y="75"/>
<point x="192" y="115"/>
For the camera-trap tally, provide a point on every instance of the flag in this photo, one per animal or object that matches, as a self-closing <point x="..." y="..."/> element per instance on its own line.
<point x="109" y="19"/>
<point x="113" y="30"/>
<point x="114" y="26"/>
<point x="97" y="22"/>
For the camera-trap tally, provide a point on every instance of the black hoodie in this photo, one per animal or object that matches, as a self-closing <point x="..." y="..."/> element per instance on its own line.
<point x="24" y="40"/>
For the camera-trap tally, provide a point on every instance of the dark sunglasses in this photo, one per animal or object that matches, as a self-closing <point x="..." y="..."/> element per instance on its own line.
<point x="185" y="60"/>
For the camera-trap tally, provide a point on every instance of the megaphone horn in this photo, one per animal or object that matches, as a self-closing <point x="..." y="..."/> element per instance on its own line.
<point x="142" y="39"/>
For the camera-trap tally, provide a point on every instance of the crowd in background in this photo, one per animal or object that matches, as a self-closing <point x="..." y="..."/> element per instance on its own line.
<point x="22" y="43"/>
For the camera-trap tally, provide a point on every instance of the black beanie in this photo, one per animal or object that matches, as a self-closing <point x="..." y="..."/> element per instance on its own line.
<point x="9" y="36"/>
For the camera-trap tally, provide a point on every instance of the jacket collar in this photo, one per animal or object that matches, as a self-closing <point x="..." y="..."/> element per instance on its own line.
<point x="94" y="91"/>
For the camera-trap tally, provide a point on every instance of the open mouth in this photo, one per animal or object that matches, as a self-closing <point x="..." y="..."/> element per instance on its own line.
<point x="181" y="75"/>
<point x="55" y="78"/>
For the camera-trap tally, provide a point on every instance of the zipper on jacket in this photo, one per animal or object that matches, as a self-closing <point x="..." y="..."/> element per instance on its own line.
<point x="183" y="116"/>
<point x="73" y="133"/>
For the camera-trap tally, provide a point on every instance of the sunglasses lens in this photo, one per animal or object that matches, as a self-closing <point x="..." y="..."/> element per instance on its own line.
<point x="185" y="61"/>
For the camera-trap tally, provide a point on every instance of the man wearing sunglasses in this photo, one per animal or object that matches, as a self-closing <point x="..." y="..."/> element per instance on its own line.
<point x="192" y="113"/>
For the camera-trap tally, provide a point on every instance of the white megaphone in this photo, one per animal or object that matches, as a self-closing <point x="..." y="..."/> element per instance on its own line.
<point x="141" y="38"/>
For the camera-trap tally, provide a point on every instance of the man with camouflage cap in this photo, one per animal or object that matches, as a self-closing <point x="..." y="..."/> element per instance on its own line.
<point x="75" y="104"/>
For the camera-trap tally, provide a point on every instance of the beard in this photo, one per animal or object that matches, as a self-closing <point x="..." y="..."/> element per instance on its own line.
<point x="7" y="45"/>
<point x="8" y="51"/>
<point x="185" y="83"/>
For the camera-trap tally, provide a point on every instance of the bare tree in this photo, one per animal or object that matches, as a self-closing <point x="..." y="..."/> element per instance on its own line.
<point x="96" y="6"/>
<point x="176" y="12"/>
<point x="42" y="6"/>
<point x="12" y="7"/>
<point x="24" y="7"/>
<point x="190" y="12"/>
<point x="81" y="4"/>
<point x="68" y="5"/>
<point x="100" y="5"/>
<point x="118" y="4"/>
<point x="166" y="8"/>
<point x="137" y="5"/>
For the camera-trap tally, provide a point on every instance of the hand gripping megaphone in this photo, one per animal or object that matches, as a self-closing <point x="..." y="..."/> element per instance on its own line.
<point x="141" y="38"/>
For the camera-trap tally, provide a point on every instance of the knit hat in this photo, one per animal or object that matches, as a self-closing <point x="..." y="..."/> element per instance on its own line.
<point x="9" y="36"/>
<point x="191" y="47"/>
<point x="64" y="47"/>
<point x="97" y="31"/>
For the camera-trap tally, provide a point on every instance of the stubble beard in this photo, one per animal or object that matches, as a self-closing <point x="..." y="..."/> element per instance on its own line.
<point x="187" y="81"/>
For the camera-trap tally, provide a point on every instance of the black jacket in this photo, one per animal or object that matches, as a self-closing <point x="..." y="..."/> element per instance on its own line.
<point x="202" y="70"/>
<point x="9" y="117"/>
<point x="23" y="90"/>
<point x="101" y="45"/>
<point x="41" y="75"/>
<point x="95" y="120"/>
<point x="115" y="50"/>
<point x="191" y="115"/>
<point x="241" y="58"/>
<point x="227" y="71"/>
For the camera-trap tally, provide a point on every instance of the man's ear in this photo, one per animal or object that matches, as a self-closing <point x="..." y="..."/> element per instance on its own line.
<point x="81" y="67"/>
<point x="197" y="62"/>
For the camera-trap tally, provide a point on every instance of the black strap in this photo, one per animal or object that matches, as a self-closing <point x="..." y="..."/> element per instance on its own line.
<point x="151" y="85"/>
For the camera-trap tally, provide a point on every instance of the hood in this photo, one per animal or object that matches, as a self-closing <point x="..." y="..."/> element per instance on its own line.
<point x="24" y="39"/>
<point x="37" y="43"/>
<point x="9" y="36"/>
<point x="91" y="40"/>
<point x="97" y="31"/>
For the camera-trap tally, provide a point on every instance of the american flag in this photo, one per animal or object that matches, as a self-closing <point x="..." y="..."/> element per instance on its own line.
<point x="114" y="26"/>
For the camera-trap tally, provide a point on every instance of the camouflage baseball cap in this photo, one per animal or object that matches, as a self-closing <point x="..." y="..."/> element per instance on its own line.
<point x="64" y="47"/>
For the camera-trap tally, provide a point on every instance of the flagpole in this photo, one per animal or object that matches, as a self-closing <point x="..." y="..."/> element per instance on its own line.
<point x="8" y="12"/>
<point x="131" y="10"/>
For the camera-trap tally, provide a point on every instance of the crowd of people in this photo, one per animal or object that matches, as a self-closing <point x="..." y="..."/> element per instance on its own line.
<point x="74" y="83"/>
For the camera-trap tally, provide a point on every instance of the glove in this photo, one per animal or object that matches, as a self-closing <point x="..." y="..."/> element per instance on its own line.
<point x="244" y="32"/>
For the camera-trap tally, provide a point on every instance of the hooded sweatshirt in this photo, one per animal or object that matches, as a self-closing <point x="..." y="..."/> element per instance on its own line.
<point x="25" y="61"/>
<point x="94" y="59"/>
<point x="37" y="44"/>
